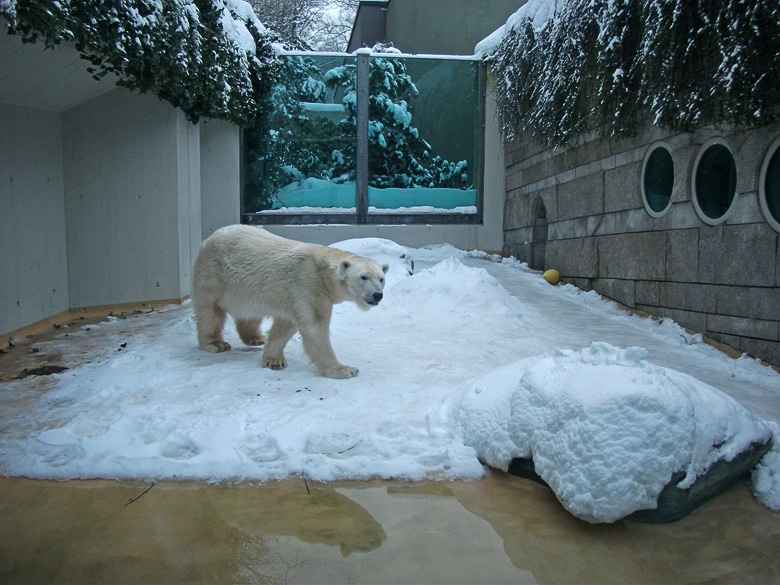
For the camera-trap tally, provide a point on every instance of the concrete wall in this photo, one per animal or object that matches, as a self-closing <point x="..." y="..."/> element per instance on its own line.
<point x="104" y="194"/>
<point x="131" y="199"/>
<point x="719" y="280"/>
<point x="219" y="175"/>
<point x="487" y="237"/>
<point x="369" y="26"/>
<point x="33" y="263"/>
<point x="445" y="27"/>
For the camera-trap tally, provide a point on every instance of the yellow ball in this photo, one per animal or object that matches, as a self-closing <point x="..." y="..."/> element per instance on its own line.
<point x="552" y="276"/>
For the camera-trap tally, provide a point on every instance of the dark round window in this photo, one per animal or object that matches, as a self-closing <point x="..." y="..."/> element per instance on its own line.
<point x="658" y="180"/>
<point x="715" y="182"/>
<point x="769" y="189"/>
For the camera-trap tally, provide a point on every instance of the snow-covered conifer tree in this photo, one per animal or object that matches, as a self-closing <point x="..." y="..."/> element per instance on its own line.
<point x="398" y="155"/>
<point x="291" y="144"/>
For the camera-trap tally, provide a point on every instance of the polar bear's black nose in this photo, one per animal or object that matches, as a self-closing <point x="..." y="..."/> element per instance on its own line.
<point x="378" y="296"/>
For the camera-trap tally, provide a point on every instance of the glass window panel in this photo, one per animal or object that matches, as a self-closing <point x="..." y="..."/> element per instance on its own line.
<point x="659" y="179"/>
<point x="772" y="186"/>
<point x="423" y="135"/>
<point x="298" y="159"/>
<point x="716" y="181"/>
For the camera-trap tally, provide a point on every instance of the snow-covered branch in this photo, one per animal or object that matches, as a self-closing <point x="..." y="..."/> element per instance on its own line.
<point x="568" y="67"/>
<point x="211" y="58"/>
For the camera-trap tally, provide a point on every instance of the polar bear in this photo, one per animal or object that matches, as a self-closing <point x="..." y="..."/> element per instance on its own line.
<point x="251" y="273"/>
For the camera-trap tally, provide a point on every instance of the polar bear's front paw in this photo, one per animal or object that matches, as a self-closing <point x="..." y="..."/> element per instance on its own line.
<point x="217" y="346"/>
<point x="274" y="363"/>
<point x="341" y="372"/>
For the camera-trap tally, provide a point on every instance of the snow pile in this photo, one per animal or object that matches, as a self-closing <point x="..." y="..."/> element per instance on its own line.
<point x="151" y="405"/>
<point x="383" y="251"/>
<point x="606" y="429"/>
<point x="766" y="475"/>
<point x="435" y="397"/>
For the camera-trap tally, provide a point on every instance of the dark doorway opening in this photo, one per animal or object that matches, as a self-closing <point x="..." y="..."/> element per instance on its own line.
<point x="539" y="242"/>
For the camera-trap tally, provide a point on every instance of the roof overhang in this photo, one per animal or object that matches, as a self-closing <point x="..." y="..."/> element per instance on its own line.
<point x="54" y="80"/>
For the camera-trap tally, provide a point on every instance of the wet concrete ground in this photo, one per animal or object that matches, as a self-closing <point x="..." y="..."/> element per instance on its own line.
<point x="501" y="529"/>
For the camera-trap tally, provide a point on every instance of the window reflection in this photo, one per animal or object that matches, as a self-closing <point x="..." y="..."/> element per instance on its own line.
<point x="291" y="160"/>
<point x="423" y="138"/>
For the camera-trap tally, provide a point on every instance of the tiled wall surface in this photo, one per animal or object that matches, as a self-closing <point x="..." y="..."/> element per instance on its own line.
<point x="720" y="280"/>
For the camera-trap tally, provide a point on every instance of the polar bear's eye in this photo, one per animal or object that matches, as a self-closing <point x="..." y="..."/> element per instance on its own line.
<point x="364" y="277"/>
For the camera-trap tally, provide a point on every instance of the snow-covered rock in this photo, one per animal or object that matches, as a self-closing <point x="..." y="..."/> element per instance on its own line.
<point x="606" y="428"/>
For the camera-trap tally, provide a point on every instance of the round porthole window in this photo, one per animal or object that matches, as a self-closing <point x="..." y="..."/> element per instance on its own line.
<point x="769" y="186"/>
<point x="657" y="179"/>
<point x="714" y="182"/>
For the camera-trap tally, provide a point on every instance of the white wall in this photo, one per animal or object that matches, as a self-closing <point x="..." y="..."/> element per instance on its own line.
<point x="488" y="237"/>
<point x="33" y="265"/>
<point x="491" y="238"/>
<point x="189" y="208"/>
<point x="132" y="182"/>
<point x="100" y="188"/>
<point x="220" y="173"/>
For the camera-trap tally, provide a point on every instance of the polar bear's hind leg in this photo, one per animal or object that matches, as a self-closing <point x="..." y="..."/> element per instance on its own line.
<point x="280" y="333"/>
<point x="249" y="331"/>
<point x="210" y="320"/>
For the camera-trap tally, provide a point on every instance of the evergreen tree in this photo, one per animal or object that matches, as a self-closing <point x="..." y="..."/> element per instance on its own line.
<point x="398" y="155"/>
<point x="518" y="59"/>
<point x="290" y="144"/>
<point x="567" y="94"/>
<point x="617" y="69"/>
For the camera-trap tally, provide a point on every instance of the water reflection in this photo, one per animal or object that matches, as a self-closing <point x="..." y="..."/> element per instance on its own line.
<point x="501" y="529"/>
<point x="316" y="514"/>
<point x="730" y="539"/>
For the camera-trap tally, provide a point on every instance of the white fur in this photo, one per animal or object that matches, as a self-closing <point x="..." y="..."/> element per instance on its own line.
<point x="251" y="273"/>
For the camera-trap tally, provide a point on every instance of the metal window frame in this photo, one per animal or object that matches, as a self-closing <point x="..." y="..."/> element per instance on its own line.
<point x="362" y="216"/>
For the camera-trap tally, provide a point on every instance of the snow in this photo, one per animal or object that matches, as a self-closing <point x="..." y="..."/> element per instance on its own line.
<point x="766" y="475"/>
<point x="606" y="428"/>
<point x="312" y="195"/>
<point x="465" y="361"/>
<point x="235" y="27"/>
<point x="538" y="11"/>
<point x="8" y="7"/>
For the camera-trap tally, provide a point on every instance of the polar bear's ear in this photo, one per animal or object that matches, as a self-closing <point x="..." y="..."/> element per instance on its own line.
<point x="385" y="268"/>
<point x="343" y="267"/>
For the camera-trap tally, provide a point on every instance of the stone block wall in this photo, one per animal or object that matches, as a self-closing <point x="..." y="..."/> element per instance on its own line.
<point x="720" y="280"/>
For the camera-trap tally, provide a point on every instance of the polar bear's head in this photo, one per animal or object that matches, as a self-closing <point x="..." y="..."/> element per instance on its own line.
<point x="364" y="280"/>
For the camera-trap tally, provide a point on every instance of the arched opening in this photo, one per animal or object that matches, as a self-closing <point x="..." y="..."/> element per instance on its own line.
<point x="539" y="242"/>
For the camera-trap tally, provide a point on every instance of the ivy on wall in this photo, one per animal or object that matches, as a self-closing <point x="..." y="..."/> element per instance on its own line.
<point x="211" y="58"/>
<point x="605" y="66"/>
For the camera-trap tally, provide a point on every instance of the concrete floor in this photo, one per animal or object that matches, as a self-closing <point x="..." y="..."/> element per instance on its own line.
<point x="501" y="529"/>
